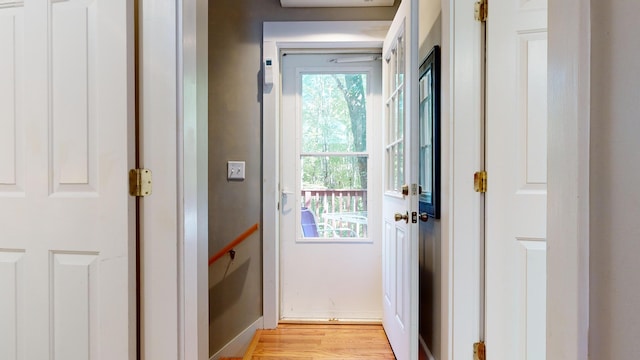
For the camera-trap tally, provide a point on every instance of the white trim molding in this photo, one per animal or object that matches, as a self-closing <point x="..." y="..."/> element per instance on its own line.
<point x="159" y="151"/>
<point x="569" y="90"/>
<point x="174" y="118"/>
<point x="239" y="344"/>
<point x="278" y="36"/>
<point x="193" y="169"/>
<point x="173" y="114"/>
<point x="426" y="349"/>
<point x="462" y="207"/>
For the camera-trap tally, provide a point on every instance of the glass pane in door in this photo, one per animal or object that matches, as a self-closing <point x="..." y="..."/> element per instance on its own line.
<point x="333" y="156"/>
<point x="394" y="119"/>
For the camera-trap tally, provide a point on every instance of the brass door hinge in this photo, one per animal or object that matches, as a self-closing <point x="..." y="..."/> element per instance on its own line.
<point x="479" y="351"/>
<point x="480" y="181"/>
<point x="139" y="182"/>
<point x="481" y="9"/>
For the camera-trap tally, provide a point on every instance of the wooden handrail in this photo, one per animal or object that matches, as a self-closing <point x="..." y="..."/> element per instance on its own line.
<point x="233" y="244"/>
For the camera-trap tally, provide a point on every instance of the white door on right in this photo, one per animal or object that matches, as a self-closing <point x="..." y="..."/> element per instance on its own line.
<point x="516" y="163"/>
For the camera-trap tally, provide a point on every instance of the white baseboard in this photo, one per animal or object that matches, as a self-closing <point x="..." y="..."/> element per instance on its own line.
<point x="239" y="344"/>
<point x="426" y="349"/>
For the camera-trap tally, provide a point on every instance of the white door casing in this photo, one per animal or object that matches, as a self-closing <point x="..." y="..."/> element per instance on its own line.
<point x="516" y="163"/>
<point x="192" y="181"/>
<point x="327" y="278"/>
<point x="400" y="239"/>
<point x="568" y="223"/>
<point x="67" y="223"/>
<point x="280" y="36"/>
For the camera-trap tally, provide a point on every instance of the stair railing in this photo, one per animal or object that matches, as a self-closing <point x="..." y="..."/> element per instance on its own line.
<point x="233" y="244"/>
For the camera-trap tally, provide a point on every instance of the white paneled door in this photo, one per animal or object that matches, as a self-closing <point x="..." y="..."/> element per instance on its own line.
<point x="67" y="224"/>
<point x="516" y="161"/>
<point x="400" y="235"/>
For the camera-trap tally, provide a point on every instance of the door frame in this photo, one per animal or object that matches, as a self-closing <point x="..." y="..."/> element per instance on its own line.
<point x="278" y="36"/>
<point x="568" y="204"/>
<point x="461" y="211"/>
<point x="173" y="77"/>
<point x="193" y="178"/>
<point x="458" y="158"/>
<point x="568" y="178"/>
<point x="368" y="249"/>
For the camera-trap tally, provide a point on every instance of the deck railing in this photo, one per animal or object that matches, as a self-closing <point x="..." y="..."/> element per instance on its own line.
<point x="325" y="204"/>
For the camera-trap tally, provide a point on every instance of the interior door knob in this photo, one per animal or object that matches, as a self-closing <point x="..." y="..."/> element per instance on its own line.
<point x="400" y="217"/>
<point x="424" y="217"/>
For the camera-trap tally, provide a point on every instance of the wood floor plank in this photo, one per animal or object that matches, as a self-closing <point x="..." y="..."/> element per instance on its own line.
<point x="321" y="342"/>
<point x="254" y="343"/>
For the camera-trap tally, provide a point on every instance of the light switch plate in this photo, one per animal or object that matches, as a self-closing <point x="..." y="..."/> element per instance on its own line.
<point x="235" y="170"/>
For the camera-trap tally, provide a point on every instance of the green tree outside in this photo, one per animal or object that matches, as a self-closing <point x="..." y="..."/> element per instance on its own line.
<point x="334" y="113"/>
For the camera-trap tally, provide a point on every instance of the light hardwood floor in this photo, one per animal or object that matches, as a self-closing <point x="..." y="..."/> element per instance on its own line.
<point x="311" y="341"/>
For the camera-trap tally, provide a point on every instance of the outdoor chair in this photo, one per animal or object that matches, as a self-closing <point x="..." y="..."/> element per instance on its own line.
<point x="311" y="228"/>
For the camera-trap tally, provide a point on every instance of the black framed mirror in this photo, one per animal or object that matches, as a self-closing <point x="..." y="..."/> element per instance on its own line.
<point x="430" y="134"/>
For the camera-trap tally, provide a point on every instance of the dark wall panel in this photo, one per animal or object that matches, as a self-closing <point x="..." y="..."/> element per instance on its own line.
<point x="430" y="232"/>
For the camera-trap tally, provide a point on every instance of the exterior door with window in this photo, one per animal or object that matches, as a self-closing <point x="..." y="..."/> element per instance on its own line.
<point x="67" y="223"/>
<point x="400" y="196"/>
<point x="329" y="245"/>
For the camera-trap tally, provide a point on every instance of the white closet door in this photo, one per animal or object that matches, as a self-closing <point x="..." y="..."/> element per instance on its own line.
<point x="516" y="198"/>
<point x="67" y="223"/>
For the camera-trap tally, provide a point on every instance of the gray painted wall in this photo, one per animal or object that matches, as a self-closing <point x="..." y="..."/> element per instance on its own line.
<point x="615" y="175"/>
<point x="235" y="120"/>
